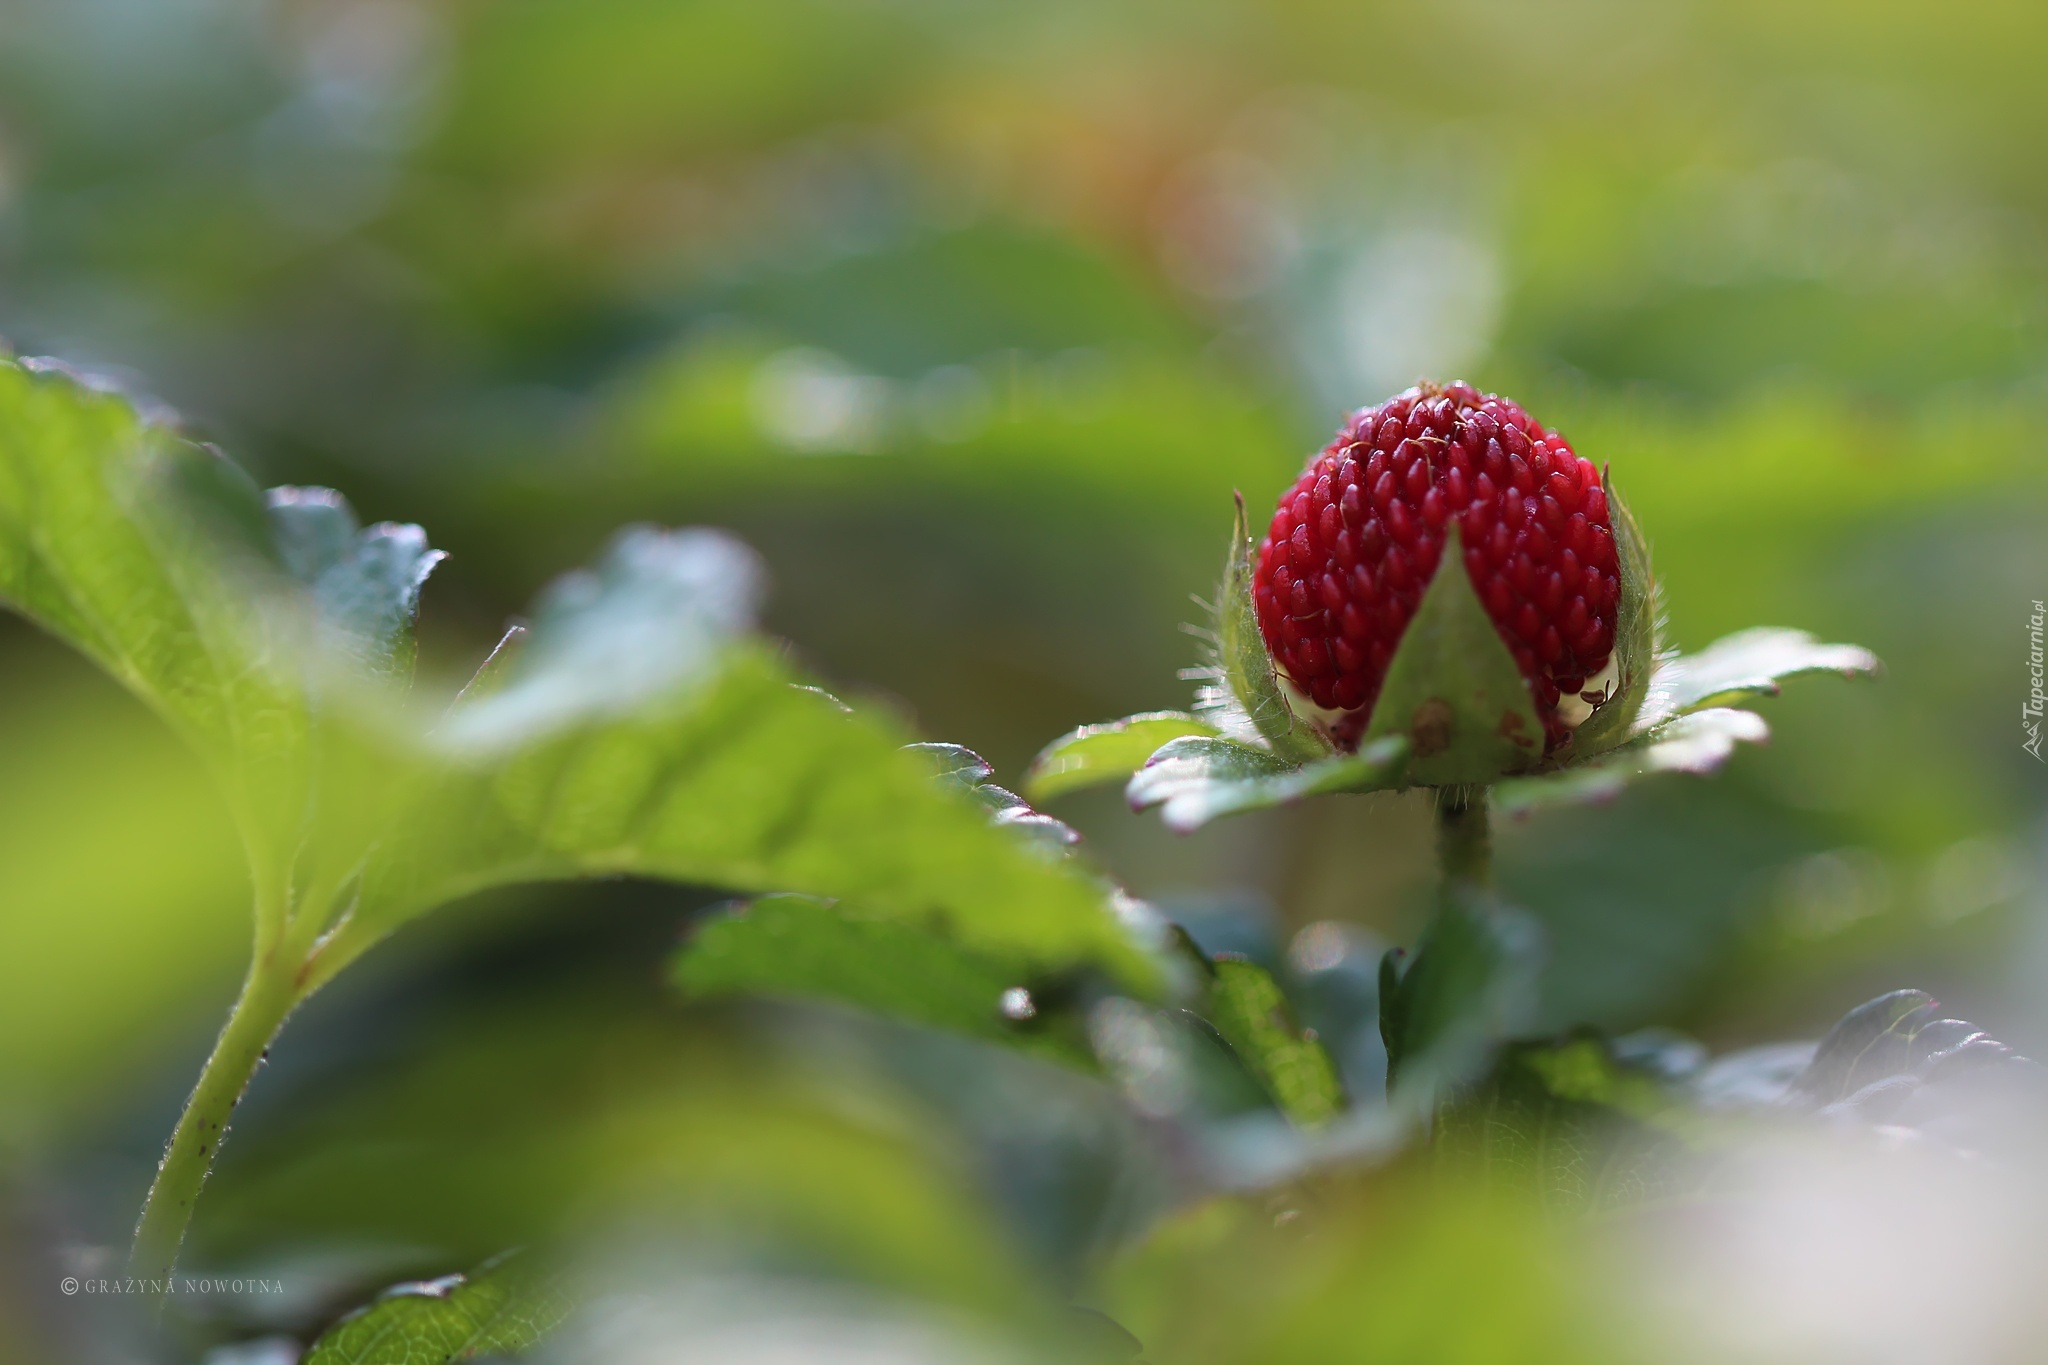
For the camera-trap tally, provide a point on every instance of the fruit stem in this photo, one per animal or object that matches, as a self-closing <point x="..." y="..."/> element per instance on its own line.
<point x="268" y="995"/>
<point x="1463" y="840"/>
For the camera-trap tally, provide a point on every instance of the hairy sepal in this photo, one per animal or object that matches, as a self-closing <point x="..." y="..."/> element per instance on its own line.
<point x="1453" y="690"/>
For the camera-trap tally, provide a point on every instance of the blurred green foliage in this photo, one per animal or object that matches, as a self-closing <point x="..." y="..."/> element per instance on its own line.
<point x="969" y="318"/>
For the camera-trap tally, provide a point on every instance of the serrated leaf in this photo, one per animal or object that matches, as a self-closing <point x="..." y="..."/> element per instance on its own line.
<point x="1197" y="778"/>
<point x="1453" y="690"/>
<point x="1750" y="663"/>
<point x="366" y="582"/>
<point x="1636" y="626"/>
<point x="1567" y="1125"/>
<point x="1471" y="983"/>
<point x="1248" y="1008"/>
<point x="955" y="763"/>
<point x="960" y="768"/>
<point x="796" y="946"/>
<point x="702" y="760"/>
<point x="1896" y="1062"/>
<point x="1110" y="752"/>
<point x="502" y="1309"/>
<point x="158" y="559"/>
<point x="1869" y="1043"/>
<point x="641" y="628"/>
<point x="1698" y="743"/>
<point x="1252" y="688"/>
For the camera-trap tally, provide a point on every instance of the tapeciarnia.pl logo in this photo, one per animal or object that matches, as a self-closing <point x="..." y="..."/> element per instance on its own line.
<point x="2030" y="713"/>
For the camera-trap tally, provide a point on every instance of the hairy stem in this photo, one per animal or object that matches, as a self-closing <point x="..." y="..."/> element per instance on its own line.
<point x="1463" y="840"/>
<point x="267" y="997"/>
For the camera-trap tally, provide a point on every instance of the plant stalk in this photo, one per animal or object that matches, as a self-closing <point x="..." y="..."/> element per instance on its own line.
<point x="268" y="995"/>
<point x="1464" y="840"/>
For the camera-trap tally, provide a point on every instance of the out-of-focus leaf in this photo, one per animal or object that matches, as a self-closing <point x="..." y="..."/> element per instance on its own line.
<point x="1247" y="691"/>
<point x="502" y="1309"/>
<point x="638" y="733"/>
<point x="1566" y="1124"/>
<point x="366" y="582"/>
<point x="1198" y="778"/>
<point x="1453" y="690"/>
<point x="955" y="763"/>
<point x="1109" y="752"/>
<point x="1471" y="983"/>
<point x="1894" y="1061"/>
<point x="797" y="946"/>
<point x="643" y="628"/>
<point x="1248" y="1008"/>
<point x="1699" y="742"/>
<point x="92" y="548"/>
<point x="1750" y="663"/>
<point x="960" y="767"/>
<point x="1869" y="1043"/>
<point x="1637" y="623"/>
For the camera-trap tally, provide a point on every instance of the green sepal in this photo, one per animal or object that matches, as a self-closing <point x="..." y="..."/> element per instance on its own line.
<point x="1110" y="752"/>
<point x="1248" y="1008"/>
<point x="1453" y="689"/>
<point x="1636" y="626"/>
<point x="1198" y="778"/>
<point x="1251" y="689"/>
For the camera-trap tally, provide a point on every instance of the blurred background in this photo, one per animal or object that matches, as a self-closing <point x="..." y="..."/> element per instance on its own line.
<point x="971" y="317"/>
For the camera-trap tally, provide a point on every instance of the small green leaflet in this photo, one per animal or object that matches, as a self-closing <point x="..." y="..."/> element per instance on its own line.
<point x="1472" y="983"/>
<point x="1248" y="1008"/>
<point x="503" y="1308"/>
<point x="796" y="946"/>
<point x="1111" y="752"/>
<point x="1565" y="1124"/>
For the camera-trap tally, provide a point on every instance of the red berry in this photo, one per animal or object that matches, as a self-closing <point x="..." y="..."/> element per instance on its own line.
<point x="1357" y="539"/>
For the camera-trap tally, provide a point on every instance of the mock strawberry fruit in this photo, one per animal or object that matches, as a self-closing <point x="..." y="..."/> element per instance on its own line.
<point x="1357" y="539"/>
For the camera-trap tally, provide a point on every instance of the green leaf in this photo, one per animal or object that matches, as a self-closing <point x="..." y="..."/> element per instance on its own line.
<point x="1454" y="691"/>
<point x="1894" y="1061"/>
<point x="646" y="627"/>
<point x="1250" y="691"/>
<point x="1698" y="743"/>
<point x="1750" y="663"/>
<point x="502" y="1309"/>
<point x="1567" y="1125"/>
<point x="366" y="583"/>
<point x="1109" y="752"/>
<point x="961" y="768"/>
<point x="1248" y="1008"/>
<point x="1472" y="982"/>
<point x="159" y="560"/>
<point x="640" y="732"/>
<point x="91" y="550"/>
<point x="1637" y="622"/>
<point x="802" y="947"/>
<point x="1198" y="778"/>
<point x="955" y="763"/>
<point x="1869" y="1043"/>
